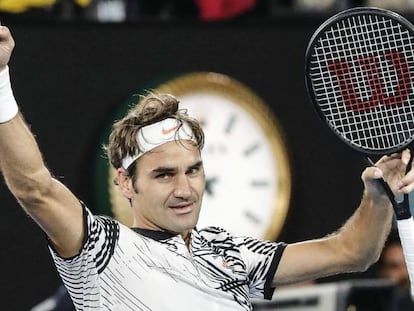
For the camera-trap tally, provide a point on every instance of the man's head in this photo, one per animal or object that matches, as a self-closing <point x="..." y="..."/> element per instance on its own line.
<point x="155" y="149"/>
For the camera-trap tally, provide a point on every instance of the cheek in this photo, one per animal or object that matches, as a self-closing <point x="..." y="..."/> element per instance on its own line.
<point x="201" y="187"/>
<point x="200" y="183"/>
<point x="153" y="194"/>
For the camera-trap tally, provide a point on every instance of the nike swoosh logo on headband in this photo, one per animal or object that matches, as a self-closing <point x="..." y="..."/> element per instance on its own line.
<point x="168" y="131"/>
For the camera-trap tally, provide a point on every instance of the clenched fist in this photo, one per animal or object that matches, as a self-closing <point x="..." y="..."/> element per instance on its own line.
<point x="6" y="46"/>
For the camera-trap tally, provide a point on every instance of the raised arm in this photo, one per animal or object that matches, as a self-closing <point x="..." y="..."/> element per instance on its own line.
<point x="359" y="242"/>
<point x="45" y="199"/>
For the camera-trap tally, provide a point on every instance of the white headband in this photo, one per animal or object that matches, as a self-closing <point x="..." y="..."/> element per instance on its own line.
<point x="159" y="133"/>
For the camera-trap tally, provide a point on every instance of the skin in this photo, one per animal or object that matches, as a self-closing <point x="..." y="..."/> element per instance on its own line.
<point x="358" y="244"/>
<point x="393" y="267"/>
<point x="168" y="193"/>
<point x="169" y="188"/>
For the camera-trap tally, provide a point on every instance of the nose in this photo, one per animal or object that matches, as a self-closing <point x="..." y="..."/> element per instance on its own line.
<point x="182" y="187"/>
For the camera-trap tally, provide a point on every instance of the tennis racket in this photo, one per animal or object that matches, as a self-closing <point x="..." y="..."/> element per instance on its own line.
<point x="359" y="67"/>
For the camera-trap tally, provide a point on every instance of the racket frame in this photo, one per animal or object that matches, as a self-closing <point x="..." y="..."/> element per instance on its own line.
<point x="356" y="11"/>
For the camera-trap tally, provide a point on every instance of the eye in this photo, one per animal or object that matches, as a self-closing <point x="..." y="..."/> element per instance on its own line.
<point x="193" y="171"/>
<point x="164" y="176"/>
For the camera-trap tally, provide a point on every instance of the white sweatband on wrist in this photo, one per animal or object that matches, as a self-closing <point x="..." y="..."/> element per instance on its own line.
<point x="8" y="105"/>
<point x="159" y="133"/>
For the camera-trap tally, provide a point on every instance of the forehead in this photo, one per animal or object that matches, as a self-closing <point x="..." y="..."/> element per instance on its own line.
<point x="174" y="154"/>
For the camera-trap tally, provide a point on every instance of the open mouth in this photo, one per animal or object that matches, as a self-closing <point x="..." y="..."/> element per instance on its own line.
<point x="182" y="208"/>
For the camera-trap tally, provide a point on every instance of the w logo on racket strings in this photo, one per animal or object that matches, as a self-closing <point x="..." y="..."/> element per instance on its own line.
<point x="368" y="73"/>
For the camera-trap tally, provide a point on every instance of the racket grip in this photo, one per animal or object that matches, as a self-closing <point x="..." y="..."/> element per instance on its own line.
<point x="406" y="233"/>
<point x="401" y="209"/>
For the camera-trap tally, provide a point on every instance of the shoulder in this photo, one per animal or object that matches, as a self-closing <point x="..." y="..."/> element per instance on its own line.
<point x="221" y="237"/>
<point x="99" y="229"/>
<point x="214" y="233"/>
<point x="90" y="217"/>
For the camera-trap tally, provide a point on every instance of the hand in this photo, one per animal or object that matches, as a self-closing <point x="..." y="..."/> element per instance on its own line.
<point x="392" y="169"/>
<point x="6" y="46"/>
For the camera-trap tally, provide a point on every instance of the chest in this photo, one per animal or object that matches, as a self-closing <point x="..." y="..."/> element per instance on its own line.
<point x="201" y="264"/>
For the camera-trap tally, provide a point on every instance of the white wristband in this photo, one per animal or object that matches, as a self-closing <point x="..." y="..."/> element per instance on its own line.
<point x="8" y="105"/>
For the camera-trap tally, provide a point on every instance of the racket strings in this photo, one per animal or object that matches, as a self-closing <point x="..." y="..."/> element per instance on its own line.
<point x="361" y="71"/>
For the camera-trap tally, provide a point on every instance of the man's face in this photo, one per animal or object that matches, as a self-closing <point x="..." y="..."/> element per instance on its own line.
<point x="393" y="266"/>
<point x="170" y="185"/>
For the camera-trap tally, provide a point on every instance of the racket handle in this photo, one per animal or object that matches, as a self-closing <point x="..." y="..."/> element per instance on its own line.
<point x="401" y="209"/>
<point x="406" y="233"/>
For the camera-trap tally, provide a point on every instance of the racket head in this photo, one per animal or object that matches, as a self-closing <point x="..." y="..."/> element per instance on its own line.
<point x="359" y="66"/>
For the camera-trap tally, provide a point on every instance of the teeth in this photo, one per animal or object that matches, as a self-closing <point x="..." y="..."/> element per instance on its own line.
<point x="180" y="206"/>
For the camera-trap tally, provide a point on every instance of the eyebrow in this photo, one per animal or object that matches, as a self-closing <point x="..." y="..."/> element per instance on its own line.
<point x="164" y="169"/>
<point x="197" y="164"/>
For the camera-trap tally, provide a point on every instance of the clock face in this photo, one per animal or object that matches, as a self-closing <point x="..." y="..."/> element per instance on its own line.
<point x="245" y="160"/>
<point x="241" y="173"/>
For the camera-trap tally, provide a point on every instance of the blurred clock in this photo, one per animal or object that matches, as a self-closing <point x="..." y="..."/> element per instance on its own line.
<point x="248" y="179"/>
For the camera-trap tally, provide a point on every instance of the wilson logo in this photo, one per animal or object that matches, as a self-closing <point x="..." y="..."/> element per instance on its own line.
<point x="366" y="74"/>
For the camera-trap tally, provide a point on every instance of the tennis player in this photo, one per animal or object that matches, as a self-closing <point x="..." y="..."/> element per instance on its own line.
<point x="164" y="262"/>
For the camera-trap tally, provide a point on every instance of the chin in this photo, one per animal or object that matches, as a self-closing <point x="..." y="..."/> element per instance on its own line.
<point x="183" y="227"/>
<point x="181" y="223"/>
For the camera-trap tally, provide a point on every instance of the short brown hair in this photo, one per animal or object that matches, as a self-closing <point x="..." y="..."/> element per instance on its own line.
<point x="150" y="109"/>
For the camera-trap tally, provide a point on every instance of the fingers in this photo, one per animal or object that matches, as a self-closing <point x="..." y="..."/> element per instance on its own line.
<point x="6" y="46"/>
<point x="405" y="156"/>
<point x="406" y="184"/>
<point x="393" y="169"/>
<point x="405" y="187"/>
<point x="6" y="39"/>
<point x="4" y="33"/>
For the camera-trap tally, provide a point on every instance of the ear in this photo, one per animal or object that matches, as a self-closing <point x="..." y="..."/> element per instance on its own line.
<point x="125" y="183"/>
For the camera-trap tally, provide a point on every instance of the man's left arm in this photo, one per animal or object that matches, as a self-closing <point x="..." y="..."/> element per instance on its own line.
<point x="359" y="242"/>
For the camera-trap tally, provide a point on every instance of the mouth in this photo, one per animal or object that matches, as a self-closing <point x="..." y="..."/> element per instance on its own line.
<point x="182" y="208"/>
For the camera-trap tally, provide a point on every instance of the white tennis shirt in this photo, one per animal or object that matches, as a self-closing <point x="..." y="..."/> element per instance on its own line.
<point x="120" y="269"/>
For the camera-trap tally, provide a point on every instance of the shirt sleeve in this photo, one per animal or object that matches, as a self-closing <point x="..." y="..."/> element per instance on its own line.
<point x="262" y="259"/>
<point x="80" y="272"/>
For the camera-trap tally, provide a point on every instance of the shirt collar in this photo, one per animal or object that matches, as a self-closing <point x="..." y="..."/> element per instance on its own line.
<point x="156" y="235"/>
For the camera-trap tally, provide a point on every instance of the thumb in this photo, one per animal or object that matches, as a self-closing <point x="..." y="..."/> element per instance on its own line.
<point x="371" y="172"/>
<point x="370" y="177"/>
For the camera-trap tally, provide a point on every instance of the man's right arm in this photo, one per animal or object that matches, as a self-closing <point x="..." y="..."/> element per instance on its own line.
<point x="57" y="211"/>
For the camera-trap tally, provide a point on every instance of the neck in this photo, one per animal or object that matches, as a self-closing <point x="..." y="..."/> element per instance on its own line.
<point x="186" y="237"/>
